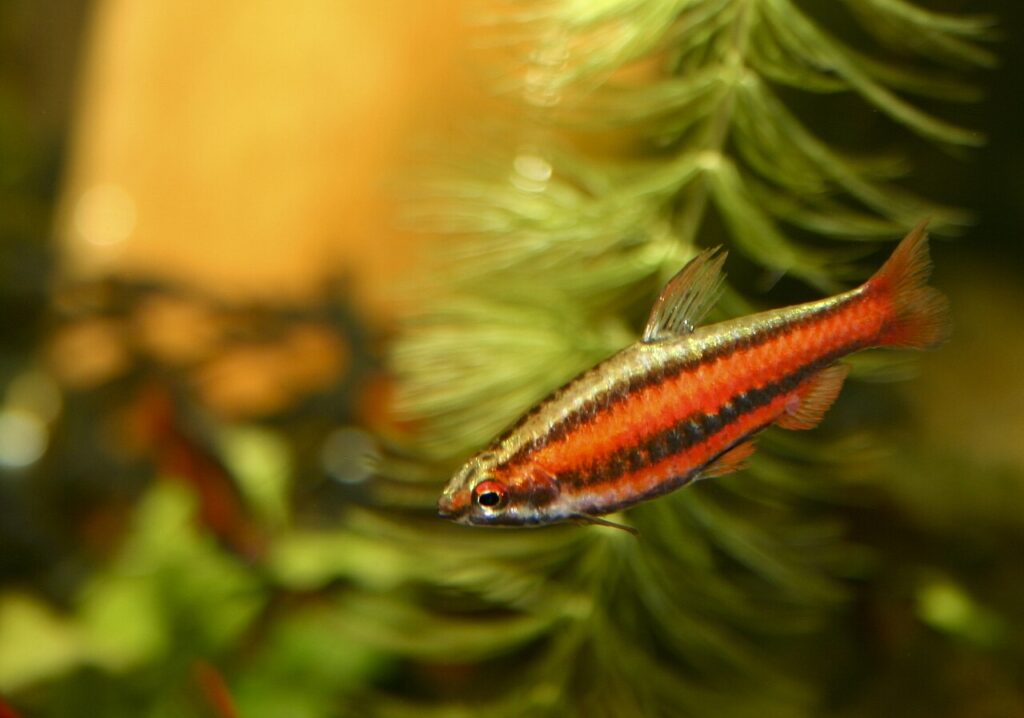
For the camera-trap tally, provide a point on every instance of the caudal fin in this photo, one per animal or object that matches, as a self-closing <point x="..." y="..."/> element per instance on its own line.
<point x="919" y="314"/>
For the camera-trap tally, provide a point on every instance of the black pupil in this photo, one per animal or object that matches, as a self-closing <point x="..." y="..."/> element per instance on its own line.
<point x="489" y="499"/>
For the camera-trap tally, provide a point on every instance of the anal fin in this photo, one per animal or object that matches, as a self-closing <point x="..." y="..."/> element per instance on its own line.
<point x="814" y="398"/>
<point x="732" y="460"/>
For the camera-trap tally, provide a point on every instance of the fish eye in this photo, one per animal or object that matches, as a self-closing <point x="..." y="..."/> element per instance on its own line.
<point x="490" y="495"/>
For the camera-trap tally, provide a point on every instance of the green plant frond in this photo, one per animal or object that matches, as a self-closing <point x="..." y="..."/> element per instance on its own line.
<point x="549" y="219"/>
<point x="606" y="35"/>
<point x="400" y="628"/>
<point x="773" y="57"/>
<point x="977" y="27"/>
<point x="876" y="166"/>
<point x="697" y="29"/>
<point x="669" y="101"/>
<point x="510" y="348"/>
<point x="801" y="38"/>
<point x="681" y="624"/>
<point x="593" y="248"/>
<point x="705" y="645"/>
<point x="756" y="136"/>
<point x="823" y="216"/>
<point x="758" y="237"/>
<point x="667" y="691"/>
<point x="619" y="278"/>
<point x="447" y="546"/>
<point x="932" y="34"/>
<point x="749" y="546"/>
<point x="774" y="63"/>
<point x="809" y="75"/>
<point x="917" y="82"/>
<point x="486" y="575"/>
<point x="885" y="199"/>
<point x="557" y="253"/>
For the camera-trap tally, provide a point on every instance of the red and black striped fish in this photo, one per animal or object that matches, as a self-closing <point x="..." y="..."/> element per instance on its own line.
<point x="685" y="402"/>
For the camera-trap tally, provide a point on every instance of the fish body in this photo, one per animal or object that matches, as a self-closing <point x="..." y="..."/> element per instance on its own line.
<point x="685" y="402"/>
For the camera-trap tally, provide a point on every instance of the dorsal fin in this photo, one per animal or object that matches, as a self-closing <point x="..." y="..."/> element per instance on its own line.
<point x="687" y="297"/>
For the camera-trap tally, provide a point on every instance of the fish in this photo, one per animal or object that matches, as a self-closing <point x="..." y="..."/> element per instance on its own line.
<point x="686" y="401"/>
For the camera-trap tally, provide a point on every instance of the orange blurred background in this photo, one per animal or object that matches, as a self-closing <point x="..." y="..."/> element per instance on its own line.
<point x="249" y="149"/>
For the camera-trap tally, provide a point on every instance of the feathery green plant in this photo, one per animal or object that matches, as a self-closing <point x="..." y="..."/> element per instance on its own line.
<point x="560" y="249"/>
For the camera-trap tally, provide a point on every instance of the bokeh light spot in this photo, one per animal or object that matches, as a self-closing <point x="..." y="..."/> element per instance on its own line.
<point x="349" y="454"/>
<point x="105" y="215"/>
<point x="23" y="438"/>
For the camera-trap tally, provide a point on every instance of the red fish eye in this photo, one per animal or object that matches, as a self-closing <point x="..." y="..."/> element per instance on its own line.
<point x="490" y="495"/>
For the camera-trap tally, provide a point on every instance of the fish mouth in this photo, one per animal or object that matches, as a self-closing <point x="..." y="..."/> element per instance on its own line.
<point x="446" y="509"/>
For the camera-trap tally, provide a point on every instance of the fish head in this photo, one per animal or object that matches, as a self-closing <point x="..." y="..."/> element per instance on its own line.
<point x="486" y="493"/>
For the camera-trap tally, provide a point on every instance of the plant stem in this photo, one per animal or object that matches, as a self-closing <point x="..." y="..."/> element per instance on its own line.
<point x="691" y="217"/>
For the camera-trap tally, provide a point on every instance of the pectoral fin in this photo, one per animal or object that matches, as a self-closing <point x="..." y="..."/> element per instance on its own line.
<point x="598" y="521"/>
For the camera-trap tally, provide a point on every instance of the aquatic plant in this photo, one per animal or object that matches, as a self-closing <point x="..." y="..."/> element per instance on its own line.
<point x="770" y="126"/>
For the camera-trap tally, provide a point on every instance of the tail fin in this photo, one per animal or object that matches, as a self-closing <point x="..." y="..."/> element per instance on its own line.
<point x="919" y="314"/>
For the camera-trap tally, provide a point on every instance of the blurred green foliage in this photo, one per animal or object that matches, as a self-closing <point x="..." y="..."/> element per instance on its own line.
<point x="836" y="576"/>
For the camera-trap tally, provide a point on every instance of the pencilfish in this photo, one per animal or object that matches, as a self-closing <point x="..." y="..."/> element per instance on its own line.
<point x="685" y="402"/>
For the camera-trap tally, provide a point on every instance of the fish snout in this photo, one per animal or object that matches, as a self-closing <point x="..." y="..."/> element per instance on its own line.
<point x="446" y="507"/>
<point x="454" y="505"/>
